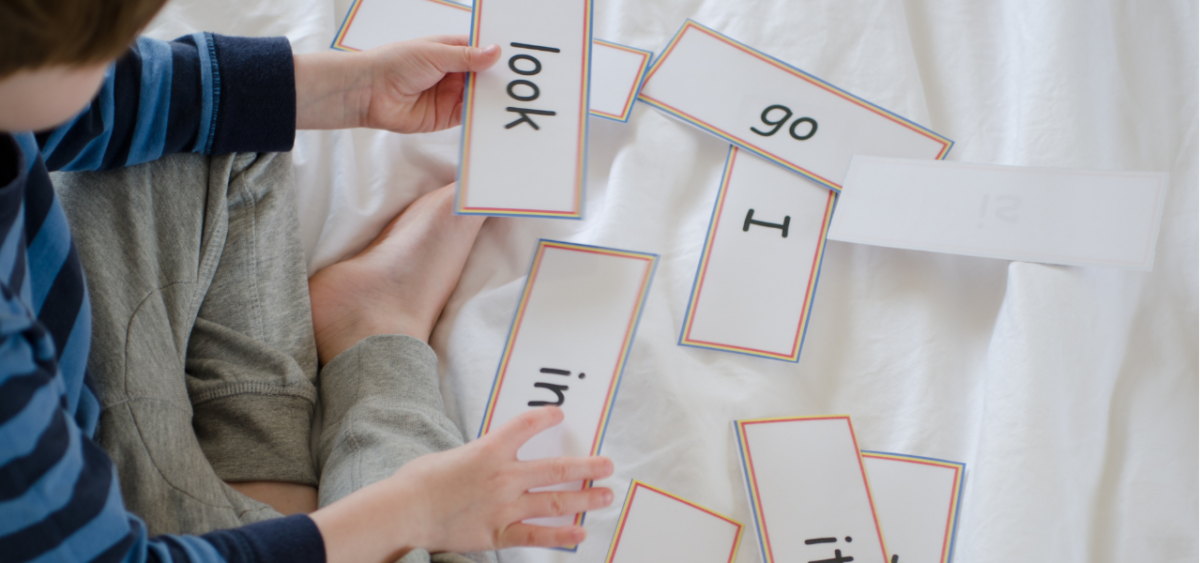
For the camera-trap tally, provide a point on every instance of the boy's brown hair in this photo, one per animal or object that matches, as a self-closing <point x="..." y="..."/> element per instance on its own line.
<point x="40" y="33"/>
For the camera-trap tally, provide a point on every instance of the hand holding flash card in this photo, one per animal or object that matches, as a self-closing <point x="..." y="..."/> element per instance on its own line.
<point x="567" y="347"/>
<point x="525" y="119"/>
<point x="775" y="110"/>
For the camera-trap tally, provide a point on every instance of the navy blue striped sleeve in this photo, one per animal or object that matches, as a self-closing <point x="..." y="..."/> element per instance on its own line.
<point x="59" y="495"/>
<point x="204" y="93"/>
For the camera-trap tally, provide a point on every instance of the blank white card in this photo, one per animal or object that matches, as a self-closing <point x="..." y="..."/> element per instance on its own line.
<point x="656" y="526"/>
<point x="917" y="501"/>
<point x="1051" y="215"/>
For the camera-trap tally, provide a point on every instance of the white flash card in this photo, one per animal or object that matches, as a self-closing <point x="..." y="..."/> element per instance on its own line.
<point x="758" y="271"/>
<point x="778" y="111"/>
<point x="808" y="490"/>
<point x="373" y="23"/>
<point x="917" y="500"/>
<point x="657" y="526"/>
<point x="524" y="145"/>
<point x="617" y="70"/>
<point x="567" y="347"/>
<point x="1051" y="215"/>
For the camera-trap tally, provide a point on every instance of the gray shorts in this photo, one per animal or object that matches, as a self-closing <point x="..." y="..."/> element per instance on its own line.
<point x="203" y="354"/>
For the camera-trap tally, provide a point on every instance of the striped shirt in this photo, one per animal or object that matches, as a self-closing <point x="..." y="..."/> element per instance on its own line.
<point x="59" y="495"/>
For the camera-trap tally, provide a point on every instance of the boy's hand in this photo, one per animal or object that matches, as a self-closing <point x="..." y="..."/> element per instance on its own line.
<point x="471" y="498"/>
<point x="407" y="87"/>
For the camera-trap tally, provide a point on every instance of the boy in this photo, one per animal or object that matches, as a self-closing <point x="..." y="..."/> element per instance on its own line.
<point x="171" y="285"/>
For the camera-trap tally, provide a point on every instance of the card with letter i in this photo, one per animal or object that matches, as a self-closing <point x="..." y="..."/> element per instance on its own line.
<point x="567" y="347"/>
<point x="917" y="499"/>
<point x="617" y="70"/>
<point x="657" y="526"/>
<point x="808" y="490"/>
<point x="775" y="110"/>
<point x="524" y="145"/>
<point x="758" y="271"/>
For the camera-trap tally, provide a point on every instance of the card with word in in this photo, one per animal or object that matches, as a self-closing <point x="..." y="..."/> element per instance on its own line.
<point x="808" y="490"/>
<point x="758" y="271"/>
<point x="657" y="526"/>
<point x="617" y="70"/>
<point x="775" y="110"/>
<point x="567" y="347"/>
<point x="917" y="499"/>
<point x="524" y="144"/>
<point x="1051" y="215"/>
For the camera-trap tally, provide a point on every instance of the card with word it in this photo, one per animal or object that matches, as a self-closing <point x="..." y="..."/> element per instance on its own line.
<point x="808" y="490"/>
<point x="568" y="345"/>
<point x="657" y="526"/>
<point x="617" y="70"/>
<point x="775" y="110"/>
<point x="758" y="271"/>
<point x="917" y="499"/>
<point x="1051" y="215"/>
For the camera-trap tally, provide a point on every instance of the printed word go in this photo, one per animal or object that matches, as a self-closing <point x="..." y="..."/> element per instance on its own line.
<point x="805" y="133"/>
<point x="524" y="90"/>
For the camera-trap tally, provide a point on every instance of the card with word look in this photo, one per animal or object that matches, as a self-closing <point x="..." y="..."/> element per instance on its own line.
<point x="617" y="70"/>
<point x="775" y="110"/>
<point x="917" y="499"/>
<point x="657" y="526"/>
<point x="808" y="490"/>
<point x="758" y="271"/>
<point x="567" y="347"/>
<point x="524" y="143"/>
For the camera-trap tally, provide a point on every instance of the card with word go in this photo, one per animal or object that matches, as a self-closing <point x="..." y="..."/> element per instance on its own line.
<point x="617" y="70"/>
<point x="524" y="144"/>
<point x="808" y="490"/>
<point x="1055" y="215"/>
<point x="778" y="111"/>
<point x="917" y="499"/>
<point x="567" y="347"/>
<point x="657" y="526"/>
<point x="758" y="271"/>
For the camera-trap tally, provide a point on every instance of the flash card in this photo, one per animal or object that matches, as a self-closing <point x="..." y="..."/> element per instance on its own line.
<point x="758" y="272"/>
<point x="617" y="70"/>
<point x="524" y="144"/>
<point x="808" y="490"/>
<point x="617" y="75"/>
<point x="657" y="526"/>
<point x="917" y="499"/>
<point x="373" y="23"/>
<point x="1053" y="215"/>
<point x="567" y="347"/>
<point x="775" y="110"/>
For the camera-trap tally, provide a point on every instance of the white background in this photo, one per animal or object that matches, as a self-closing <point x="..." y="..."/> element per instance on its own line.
<point x="1071" y="393"/>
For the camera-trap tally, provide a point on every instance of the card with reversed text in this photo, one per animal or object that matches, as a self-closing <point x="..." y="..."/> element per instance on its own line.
<point x="617" y="70"/>
<point x="758" y="271"/>
<point x="775" y="110"/>
<point x="917" y="499"/>
<point x="808" y="490"/>
<point x="1052" y="215"/>
<point x="658" y="526"/>
<point x="567" y="346"/>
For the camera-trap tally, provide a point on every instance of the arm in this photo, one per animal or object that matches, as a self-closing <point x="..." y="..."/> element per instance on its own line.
<point x="201" y="93"/>
<point x="61" y="499"/>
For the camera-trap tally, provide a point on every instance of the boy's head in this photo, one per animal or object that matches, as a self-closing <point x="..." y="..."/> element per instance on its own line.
<point x="53" y="54"/>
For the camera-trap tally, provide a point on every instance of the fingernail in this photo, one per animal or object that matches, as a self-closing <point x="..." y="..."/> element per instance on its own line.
<point x="491" y="50"/>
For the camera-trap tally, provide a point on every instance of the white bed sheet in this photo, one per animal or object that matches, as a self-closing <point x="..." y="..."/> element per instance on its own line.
<point x="1070" y="393"/>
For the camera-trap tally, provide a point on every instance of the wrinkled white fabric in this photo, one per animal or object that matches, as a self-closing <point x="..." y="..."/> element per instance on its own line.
<point x="1070" y="393"/>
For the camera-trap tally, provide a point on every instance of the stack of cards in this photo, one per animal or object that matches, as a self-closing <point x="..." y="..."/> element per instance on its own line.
<point x="816" y="497"/>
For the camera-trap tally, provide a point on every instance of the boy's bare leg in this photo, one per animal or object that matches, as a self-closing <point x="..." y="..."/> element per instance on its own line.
<point x="398" y="284"/>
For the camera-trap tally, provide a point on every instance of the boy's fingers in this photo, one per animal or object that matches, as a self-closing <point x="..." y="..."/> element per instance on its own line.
<point x="543" y="472"/>
<point x="459" y="40"/>
<point x="521" y="534"/>
<point x="453" y="58"/>
<point x="514" y="433"/>
<point x="562" y="503"/>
